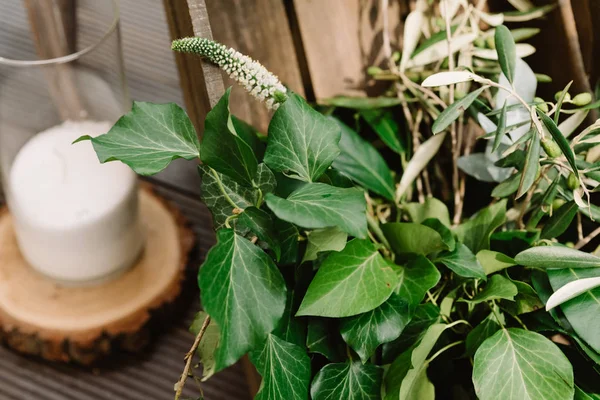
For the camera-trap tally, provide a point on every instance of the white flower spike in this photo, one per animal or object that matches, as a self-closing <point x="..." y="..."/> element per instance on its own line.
<point x="255" y="78"/>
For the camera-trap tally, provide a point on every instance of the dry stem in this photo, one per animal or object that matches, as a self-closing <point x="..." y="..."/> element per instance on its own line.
<point x="189" y="357"/>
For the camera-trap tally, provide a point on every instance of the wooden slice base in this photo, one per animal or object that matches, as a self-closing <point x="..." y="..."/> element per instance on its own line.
<point x="82" y="324"/>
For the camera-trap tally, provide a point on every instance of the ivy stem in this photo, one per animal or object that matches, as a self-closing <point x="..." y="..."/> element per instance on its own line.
<point x="189" y="357"/>
<point x="374" y="227"/>
<point x="214" y="174"/>
<point x="493" y="308"/>
<point x="443" y="349"/>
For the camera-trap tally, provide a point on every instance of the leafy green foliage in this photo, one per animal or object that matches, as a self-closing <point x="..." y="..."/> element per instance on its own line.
<point x="507" y="52"/>
<point x="451" y="114"/>
<point x="148" y="138"/>
<point x="498" y="287"/>
<point x="463" y="262"/>
<point x="407" y="237"/>
<point x="475" y="233"/>
<point x="260" y="222"/>
<point x="385" y="126"/>
<point x="351" y="380"/>
<point x="208" y="344"/>
<point x="556" y="257"/>
<point x="322" y="240"/>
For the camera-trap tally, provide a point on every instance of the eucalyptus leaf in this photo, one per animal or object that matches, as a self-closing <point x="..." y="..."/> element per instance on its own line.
<point x="463" y="262"/>
<point x="351" y="282"/>
<point x="515" y="364"/>
<point x="360" y="161"/>
<point x="326" y="239"/>
<point x="507" y="52"/>
<point x="301" y="142"/>
<point x="285" y="369"/>
<point x="556" y="257"/>
<point x="243" y="291"/>
<point x="558" y="223"/>
<point x="317" y="205"/>
<point x="148" y="138"/>
<point x="384" y="124"/>
<point x="454" y="110"/>
<point x="406" y="237"/>
<point x="497" y="287"/>
<point x="348" y="381"/>
<point x="493" y="261"/>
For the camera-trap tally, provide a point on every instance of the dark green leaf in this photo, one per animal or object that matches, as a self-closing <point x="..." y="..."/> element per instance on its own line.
<point x="507" y="52"/>
<point x="463" y="262"/>
<point x="480" y="333"/>
<point x="515" y="159"/>
<point x="243" y="291"/>
<point x="288" y="240"/>
<point x="148" y="138"/>
<point x="558" y="223"/>
<point x="365" y="332"/>
<point x="318" y="205"/>
<point x="416" y="278"/>
<point x="501" y="129"/>
<point x="322" y="338"/>
<point x="475" y="233"/>
<point x="526" y="300"/>
<point x="431" y="208"/>
<point x="265" y="180"/>
<point x="582" y="311"/>
<point x="224" y="149"/>
<point x="559" y="102"/>
<point x="326" y="239"/>
<point x="385" y="127"/>
<point x="259" y="222"/>
<point x="406" y="238"/>
<point x="545" y="203"/>
<point x="531" y="166"/>
<point x="560" y="140"/>
<point x="493" y="261"/>
<point x="521" y="34"/>
<point x="497" y="287"/>
<point x="396" y="373"/>
<point x="208" y="344"/>
<point x="360" y="161"/>
<point x="289" y="328"/>
<point x="250" y="135"/>
<point x="507" y="187"/>
<point x="351" y="282"/>
<point x="443" y="230"/>
<point x="454" y="110"/>
<point x="515" y="364"/>
<point x="556" y="257"/>
<point x="301" y="142"/>
<point x="348" y="381"/>
<point x="285" y="369"/>
<point x="361" y="103"/>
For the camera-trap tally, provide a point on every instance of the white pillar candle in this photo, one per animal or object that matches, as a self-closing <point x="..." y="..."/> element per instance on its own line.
<point x="76" y="220"/>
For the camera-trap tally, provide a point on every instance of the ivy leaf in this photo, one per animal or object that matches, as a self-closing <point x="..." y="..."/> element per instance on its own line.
<point x="222" y="195"/>
<point x="445" y="232"/>
<point x="501" y="130"/>
<point x="531" y="166"/>
<point x="318" y="205"/>
<point x="475" y="233"/>
<point x="558" y="223"/>
<point x="480" y="333"/>
<point x="259" y="222"/>
<point x="507" y="52"/>
<point x="385" y="127"/>
<point x="285" y="369"/>
<point x="407" y="237"/>
<point x="288" y="241"/>
<point x="360" y="161"/>
<point x="223" y="147"/>
<point x="581" y="310"/>
<point x="463" y="262"/>
<point x="515" y="364"/>
<point x="348" y="381"/>
<point x="290" y="329"/>
<point x="243" y="291"/>
<point x="493" y="261"/>
<point x="497" y="287"/>
<point x="319" y="339"/>
<point x="556" y="257"/>
<point x="208" y="344"/>
<point x="326" y="239"/>
<point x="301" y="142"/>
<point x="351" y="282"/>
<point x="148" y="138"/>
<point x="416" y="278"/>
<point x="454" y="110"/>
<point x="431" y="208"/>
<point x="526" y="300"/>
<point x="365" y="332"/>
<point x="264" y="180"/>
<point x="560" y="140"/>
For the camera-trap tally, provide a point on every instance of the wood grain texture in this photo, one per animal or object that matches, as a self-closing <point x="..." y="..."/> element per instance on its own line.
<point x="342" y="38"/>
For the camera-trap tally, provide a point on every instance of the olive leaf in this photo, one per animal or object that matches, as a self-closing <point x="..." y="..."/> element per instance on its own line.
<point x="454" y="110"/>
<point x="507" y="51"/>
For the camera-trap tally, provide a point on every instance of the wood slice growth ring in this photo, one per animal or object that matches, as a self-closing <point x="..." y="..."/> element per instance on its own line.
<point x="83" y="324"/>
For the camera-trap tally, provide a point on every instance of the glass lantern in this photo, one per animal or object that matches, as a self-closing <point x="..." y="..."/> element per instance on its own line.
<point x="62" y="77"/>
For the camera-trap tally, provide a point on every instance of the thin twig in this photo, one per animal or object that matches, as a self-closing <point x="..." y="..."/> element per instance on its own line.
<point x="189" y="357"/>
<point x="416" y="143"/>
<point x="579" y="227"/>
<point x="587" y="239"/>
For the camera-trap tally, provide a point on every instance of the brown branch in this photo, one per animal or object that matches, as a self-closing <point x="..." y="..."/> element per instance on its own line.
<point x="587" y="239"/>
<point x="189" y="357"/>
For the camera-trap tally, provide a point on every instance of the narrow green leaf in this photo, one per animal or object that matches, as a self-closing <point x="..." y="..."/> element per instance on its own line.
<point x="301" y="142"/>
<point x="463" y="262"/>
<point x="407" y="237"/>
<point x="259" y="222"/>
<point x="454" y="110"/>
<point x="572" y="290"/>
<point x="558" y="223"/>
<point x="361" y="103"/>
<point x="285" y="369"/>
<point x="560" y="140"/>
<point x="348" y="381"/>
<point x="317" y="205"/>
<point x="531" y="167"/>
<point x="385" y="126"/>
<point x="507" y="51"/>
<point x="508" y="186"/>
<point x="515" y="364"/>
<point x="501" y="129"/>
<point x="148" y="138"/>
<point x="243" y="291"/>
<point x="431" y="208"/>
<point x="556" y="257"/>
<point x="351" y="282"/>
<point x="497" y="287"/>
<point x="533" y="13"/>
<point x="224" y="149"/>
<point x="323" y="338"/>
<point x="493" y="261"/>
<point x="475" y="233"/>
<point x="208" y="344"/>
<point x="360" y="161"/>
<point x="480" y="333"/>
<point x="545" y="203"/>
<point x="559" y="102"/>
<point x="326" y="239"/>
